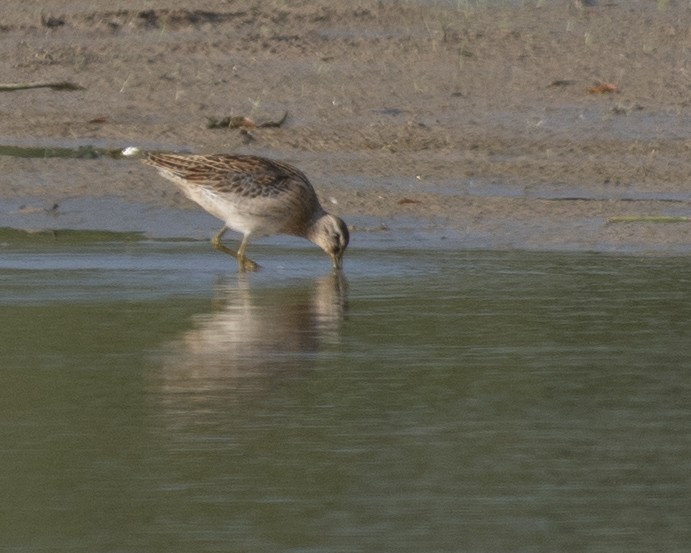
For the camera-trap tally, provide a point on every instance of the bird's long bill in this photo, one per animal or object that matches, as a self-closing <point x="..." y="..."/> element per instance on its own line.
<point x="337" y="261"/>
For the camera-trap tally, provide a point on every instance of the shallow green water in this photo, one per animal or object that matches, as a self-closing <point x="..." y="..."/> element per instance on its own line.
<point x="152" y="400"/>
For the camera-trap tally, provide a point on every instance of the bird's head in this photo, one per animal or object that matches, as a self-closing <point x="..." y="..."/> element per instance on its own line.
<point x="331" y="234"/>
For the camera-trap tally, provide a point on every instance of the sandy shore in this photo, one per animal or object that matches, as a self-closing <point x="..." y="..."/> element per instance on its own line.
<point x="484" y="120"/>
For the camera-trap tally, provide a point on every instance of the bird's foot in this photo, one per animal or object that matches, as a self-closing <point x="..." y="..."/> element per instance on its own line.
<point x="245" y="264"/>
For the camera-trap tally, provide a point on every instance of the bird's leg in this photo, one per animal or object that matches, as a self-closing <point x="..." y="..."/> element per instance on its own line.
<point x="244" y="263"/>
<point x="217" y="244"/>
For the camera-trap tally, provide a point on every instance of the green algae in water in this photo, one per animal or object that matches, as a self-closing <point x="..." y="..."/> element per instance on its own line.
<point x="81" y="152"/>
<point x="27" y="236"/>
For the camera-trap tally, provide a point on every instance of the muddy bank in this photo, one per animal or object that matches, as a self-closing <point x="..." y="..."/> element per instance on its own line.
<point x="484" y="120"/>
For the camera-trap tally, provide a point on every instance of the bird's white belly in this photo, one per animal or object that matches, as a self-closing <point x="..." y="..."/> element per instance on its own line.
<point x="236" y="215"/>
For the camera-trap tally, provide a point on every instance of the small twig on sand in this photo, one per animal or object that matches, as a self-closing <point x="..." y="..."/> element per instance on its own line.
<point x="267" y="124"/>
<point x="60" y="85"/>
<point x="242" y="122"/>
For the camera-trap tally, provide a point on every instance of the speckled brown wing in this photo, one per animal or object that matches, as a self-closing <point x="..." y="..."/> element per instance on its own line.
<point x="244" y="176"/>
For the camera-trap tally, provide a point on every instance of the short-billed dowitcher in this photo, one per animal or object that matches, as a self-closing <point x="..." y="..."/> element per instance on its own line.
<point x="254" y="196"/>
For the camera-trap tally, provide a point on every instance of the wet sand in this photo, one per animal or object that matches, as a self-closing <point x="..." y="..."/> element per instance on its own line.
<point x="483" y="122"/>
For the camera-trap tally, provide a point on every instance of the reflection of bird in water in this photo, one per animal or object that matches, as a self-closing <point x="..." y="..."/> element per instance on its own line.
<point x="256" y="197"/>
<point x="252" y="340"/>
